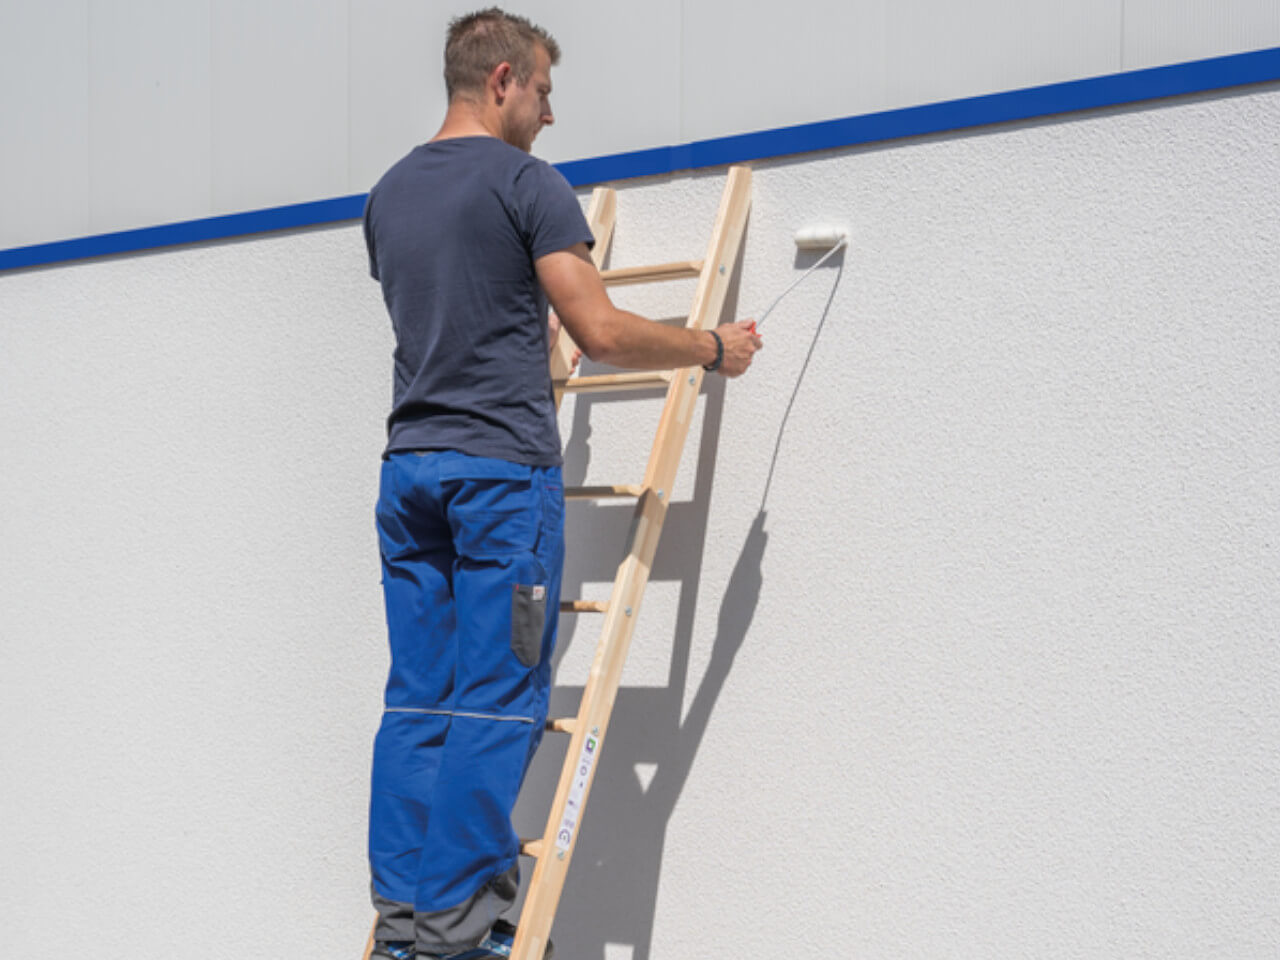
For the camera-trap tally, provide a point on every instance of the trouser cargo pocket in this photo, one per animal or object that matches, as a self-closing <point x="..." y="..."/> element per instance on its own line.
<point x="528" y="619"/>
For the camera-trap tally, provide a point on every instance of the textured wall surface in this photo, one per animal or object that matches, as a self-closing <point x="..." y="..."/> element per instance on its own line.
<point x="961" y="642"/>
<point x="118" y="114"/>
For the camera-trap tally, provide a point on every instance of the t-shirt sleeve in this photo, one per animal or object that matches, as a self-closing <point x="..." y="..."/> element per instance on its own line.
<point x="368" y="238"/>
<point x="547" y="211"/>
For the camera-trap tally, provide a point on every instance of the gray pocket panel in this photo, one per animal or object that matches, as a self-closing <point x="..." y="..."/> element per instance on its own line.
<point x="528" y="618"/>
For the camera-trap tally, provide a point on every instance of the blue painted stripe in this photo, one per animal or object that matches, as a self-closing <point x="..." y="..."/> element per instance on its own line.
<point x="1260" y="66"/>
<point x="190" y="231"/>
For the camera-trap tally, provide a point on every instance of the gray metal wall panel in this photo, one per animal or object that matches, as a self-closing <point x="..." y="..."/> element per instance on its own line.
<point x="44" y="121"/>
<point x="620" y="80"/>
<point x="149" y="112"/>
<point x="1170" y="31"/>
<point x="396" y="90"/>
<point x="823" y="59"/>
<point x="280" y="118"/>
<point x="945" y="51"/>
<point x="832" y="59"/>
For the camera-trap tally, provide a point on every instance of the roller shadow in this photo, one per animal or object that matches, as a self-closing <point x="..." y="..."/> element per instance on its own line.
<point x="838" y="260"/>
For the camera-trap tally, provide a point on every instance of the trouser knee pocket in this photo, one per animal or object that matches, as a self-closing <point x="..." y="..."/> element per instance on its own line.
<point x="528" y="620"/>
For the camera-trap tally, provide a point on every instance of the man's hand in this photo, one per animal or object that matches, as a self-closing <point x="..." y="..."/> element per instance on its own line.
<point x="553" y="337"/>
<point x="740" y="343"/>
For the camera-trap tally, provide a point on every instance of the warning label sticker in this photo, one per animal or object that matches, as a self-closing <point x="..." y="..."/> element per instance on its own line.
<point x="577" y="790"/>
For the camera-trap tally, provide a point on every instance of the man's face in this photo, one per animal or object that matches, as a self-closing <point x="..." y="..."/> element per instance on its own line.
<point x="527" y="109"/>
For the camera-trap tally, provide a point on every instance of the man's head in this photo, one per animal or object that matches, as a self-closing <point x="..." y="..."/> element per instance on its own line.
<point x="495" y="57"/>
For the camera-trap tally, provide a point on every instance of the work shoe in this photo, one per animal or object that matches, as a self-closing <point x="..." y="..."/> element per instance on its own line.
<point x="495" y="946"/>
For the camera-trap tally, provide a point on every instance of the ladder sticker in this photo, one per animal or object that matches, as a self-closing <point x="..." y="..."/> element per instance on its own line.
<point x="573" y="806"/>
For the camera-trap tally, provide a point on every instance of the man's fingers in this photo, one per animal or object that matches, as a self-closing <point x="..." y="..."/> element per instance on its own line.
<point x="740" y="342"/>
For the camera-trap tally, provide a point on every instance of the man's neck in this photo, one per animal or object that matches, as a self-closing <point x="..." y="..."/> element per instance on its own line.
<point x="467" y="119"/>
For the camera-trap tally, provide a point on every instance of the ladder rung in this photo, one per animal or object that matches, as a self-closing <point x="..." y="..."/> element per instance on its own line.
<point x="562" y="725"/>
<point x="604" y="493"/>
<point x="531" y="848"/>
<point x="617" y="381"/>
<point x="661" y="271"/>
<point x="584" y="606"/>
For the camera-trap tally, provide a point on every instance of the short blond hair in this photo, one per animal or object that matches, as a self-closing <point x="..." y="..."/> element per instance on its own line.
<point x="478" y="42"/>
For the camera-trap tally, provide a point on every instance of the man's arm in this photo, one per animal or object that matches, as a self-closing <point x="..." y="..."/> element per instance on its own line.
<point x="624" y="339"/>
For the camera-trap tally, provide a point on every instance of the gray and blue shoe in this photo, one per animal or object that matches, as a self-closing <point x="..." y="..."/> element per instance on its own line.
<point x="495" y="946"/>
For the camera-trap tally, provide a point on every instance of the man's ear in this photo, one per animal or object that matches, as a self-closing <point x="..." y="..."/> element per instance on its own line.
<point x="501" y="78"/>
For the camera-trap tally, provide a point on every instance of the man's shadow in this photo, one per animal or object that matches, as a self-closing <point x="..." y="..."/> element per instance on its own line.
<point x="612" y="886"/>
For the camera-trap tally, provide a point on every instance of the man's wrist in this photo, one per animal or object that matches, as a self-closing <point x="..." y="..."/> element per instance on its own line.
<point x="714" y="365"/>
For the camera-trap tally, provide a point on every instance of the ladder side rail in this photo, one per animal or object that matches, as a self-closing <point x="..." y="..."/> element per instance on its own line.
<point x="602" y="214"/>
<point x="708" y="302"/>
<point x="597" y="703"/>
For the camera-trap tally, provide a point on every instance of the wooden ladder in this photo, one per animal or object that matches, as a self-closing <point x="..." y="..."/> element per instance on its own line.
<point x="554" y="850"/>
<point x="588" y="729"/>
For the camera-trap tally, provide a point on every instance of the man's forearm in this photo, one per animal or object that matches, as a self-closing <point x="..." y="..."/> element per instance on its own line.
<point x="633" y="342"/>
<point x="625" y="339"/>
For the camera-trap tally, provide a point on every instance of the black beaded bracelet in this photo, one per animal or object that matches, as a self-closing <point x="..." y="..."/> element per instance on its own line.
<point x="714" y="365"/>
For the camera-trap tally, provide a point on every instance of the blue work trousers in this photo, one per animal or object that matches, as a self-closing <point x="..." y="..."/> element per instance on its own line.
<point x="472" y="550"/>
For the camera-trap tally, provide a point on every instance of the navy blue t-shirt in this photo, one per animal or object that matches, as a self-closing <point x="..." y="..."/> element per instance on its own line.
<point x="453" y="231"/>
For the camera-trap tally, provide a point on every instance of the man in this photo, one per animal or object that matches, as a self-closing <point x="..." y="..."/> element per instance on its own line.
<point x="470" y="237"/>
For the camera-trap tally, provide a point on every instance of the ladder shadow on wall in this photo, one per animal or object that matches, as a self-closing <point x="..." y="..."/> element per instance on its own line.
<point x="608" y="907"/>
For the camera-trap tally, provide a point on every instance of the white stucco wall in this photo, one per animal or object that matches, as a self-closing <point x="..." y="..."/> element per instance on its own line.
<point x="971" y="583"/>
